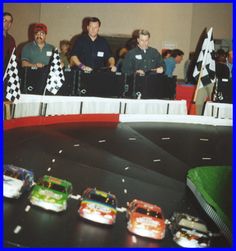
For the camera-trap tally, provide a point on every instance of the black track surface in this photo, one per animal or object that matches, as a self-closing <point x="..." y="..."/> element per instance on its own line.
<point x="147" y="160"/>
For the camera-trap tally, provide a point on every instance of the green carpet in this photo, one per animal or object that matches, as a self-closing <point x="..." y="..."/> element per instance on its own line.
<point x="214" y="183"/>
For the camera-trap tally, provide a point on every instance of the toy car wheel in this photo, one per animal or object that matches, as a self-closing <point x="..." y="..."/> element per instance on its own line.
<point x="203" y="244"/>
<point x="178" y="234"/>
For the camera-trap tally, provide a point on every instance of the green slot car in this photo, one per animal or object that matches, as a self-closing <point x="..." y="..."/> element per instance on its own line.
<point x="51" y="193"/>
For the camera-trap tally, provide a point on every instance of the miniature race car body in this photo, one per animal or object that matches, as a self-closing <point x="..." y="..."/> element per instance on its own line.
<point x="98" y="206"/>
<point x="146" y="220"/>
<point x="189" y="231"/>
<point x="51" y="193"/>
<point x="16" y="181"/>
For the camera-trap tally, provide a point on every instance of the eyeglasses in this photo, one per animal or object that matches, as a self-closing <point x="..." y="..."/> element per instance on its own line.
<point x="7" y="21"/>
<point x="41" y="33"/>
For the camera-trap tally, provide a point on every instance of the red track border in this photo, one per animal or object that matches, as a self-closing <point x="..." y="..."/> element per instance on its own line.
<point x="50" y="120"/>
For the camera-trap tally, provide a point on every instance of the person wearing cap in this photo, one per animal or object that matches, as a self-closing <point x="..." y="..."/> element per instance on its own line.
<point x="37" y="53"/>
<point x="91" y="51"/>
<point x="9" y="41"/>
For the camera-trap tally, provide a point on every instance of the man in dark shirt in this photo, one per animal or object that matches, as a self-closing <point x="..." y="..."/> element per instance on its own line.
<point x="92" y="51"/>
<point x="143" y="58"/>
<point x="9" y="41"/>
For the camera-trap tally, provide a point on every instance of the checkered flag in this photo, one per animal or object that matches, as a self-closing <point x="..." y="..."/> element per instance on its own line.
<point x="204" y="70"/>
<point x="56" y="76"/>
<point x="12" y="79"/>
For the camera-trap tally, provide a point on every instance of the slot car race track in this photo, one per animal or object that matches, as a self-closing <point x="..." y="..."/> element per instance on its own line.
<point x="146" y="161"/>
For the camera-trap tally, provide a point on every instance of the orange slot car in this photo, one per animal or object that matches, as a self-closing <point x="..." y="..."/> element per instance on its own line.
<point x="145" y="219"/>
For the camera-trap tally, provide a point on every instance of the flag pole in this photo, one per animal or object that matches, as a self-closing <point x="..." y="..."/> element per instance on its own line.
<point x="197" y="87"/>
<point x="42" y="102"/>
<point x="8" y="63"/>
<point x="44" y="90"/>
<point x="44" y="94"/>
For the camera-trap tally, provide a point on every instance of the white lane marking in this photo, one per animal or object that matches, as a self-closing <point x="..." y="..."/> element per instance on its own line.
<point x="126" y="168"/>
<point x="101" y="141"/>
<point x="27" y="208"/>
<point x="123" y="180"/>
<point x="125" y="190"/>
<point x="76" y="144"/>
<point x="134" y="239"/>
<point x="60" y="151"/>
<point x="75" y="197"/>
<point x="166" y="138"/>
<point x="132" y="139"/>
<point x="53" y="160"/>
<point x="206" y="158"/>
<point x="49" y="169"/>
<point x="121" y="209"/>
<point x="156" y="160"/>
<point x="17" y="229"/>
<point x="202" y="139"/>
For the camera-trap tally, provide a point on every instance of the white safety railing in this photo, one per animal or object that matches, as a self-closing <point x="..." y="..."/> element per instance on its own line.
<point x="35" y="105"/>
<point x="219" y="110"/>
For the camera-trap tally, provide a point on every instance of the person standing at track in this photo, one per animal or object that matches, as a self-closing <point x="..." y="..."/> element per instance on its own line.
<point x="9" y="41"/>
<point x="37" y="53"/>
<point x="91" y="51"/>
<point x="143" y="58"/>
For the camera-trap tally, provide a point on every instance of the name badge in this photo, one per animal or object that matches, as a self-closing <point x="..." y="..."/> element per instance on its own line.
<point x="49" y="53"/>
<point x="139" y="57"/>
<point x="100" y="54"/>
<point x="225" y="80"/>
